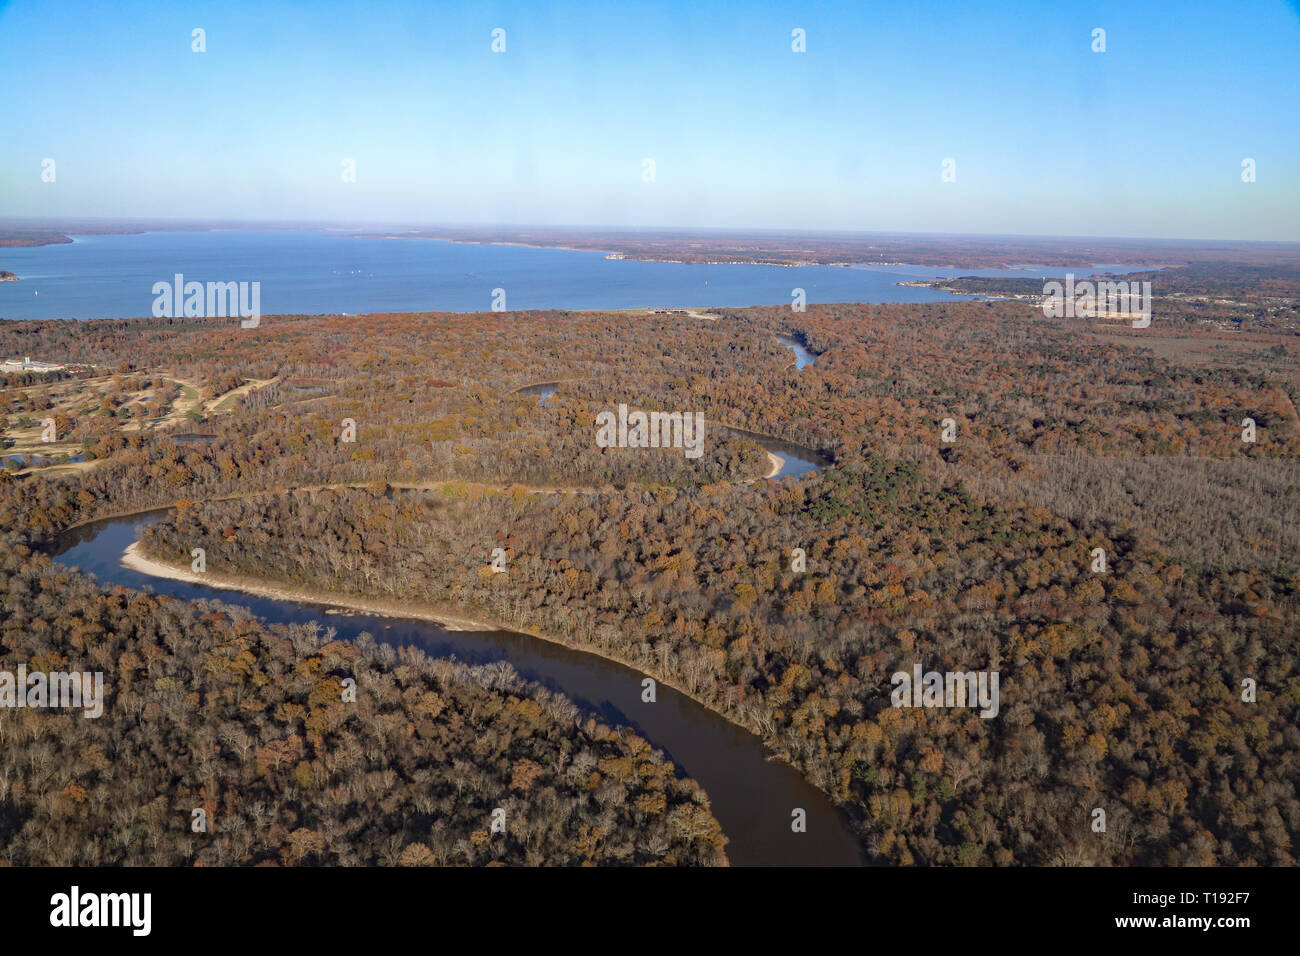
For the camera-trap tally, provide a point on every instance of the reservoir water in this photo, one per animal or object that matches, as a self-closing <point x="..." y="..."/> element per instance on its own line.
<point x="318" y="272"/>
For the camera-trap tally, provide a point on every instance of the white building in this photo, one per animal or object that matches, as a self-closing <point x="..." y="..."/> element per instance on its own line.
<point x="27" y="365"/>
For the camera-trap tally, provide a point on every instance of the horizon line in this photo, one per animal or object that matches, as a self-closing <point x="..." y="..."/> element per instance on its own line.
<point x="55" y="222"/>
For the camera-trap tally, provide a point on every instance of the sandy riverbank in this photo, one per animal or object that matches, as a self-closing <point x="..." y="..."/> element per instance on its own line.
<point x="777" y="465"/>
<point x="135" y="559"/>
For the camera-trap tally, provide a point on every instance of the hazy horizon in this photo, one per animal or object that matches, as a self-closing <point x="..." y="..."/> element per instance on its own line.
<point x="66" y="224"/>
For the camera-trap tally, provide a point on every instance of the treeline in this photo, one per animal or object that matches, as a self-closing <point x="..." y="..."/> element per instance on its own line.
<point x="1237" y="280"/>
<point x="18" y="238"/>
<point x="1223" y="292"/>
<point x="1017" y="385"/>
<point x="1212" y="278"/>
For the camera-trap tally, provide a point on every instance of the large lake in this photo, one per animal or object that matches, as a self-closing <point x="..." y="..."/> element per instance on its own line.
<point x="306" y="272"/>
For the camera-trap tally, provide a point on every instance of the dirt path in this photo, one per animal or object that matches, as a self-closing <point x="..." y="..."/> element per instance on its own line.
<point x="188" y="400"/>
<point x="776" y="464"/>
<point x="66" y="468"/>
<point x="228" y="399"/>
<point x="411" y="486"/>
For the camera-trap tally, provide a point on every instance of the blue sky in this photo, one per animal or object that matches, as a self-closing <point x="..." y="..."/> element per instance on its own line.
<point x="1146" y="139"/>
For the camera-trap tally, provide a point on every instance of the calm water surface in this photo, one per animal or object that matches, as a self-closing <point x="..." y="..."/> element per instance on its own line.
<point x="802" y="357"/>
<point x="306" y="272"/>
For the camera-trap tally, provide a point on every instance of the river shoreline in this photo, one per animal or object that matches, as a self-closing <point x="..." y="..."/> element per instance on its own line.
<point x="776" y="463"/>
<point x="135" y="559"/>
<point x="756" y="828"/>
<point x="758" y="839"/>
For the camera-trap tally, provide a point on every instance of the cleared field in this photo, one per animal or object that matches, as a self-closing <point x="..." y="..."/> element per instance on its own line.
<point x="135" y="403"/>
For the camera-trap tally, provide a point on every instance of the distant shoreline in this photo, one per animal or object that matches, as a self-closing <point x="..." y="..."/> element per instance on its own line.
<point x="788" y="248"/>
<point x="615" y="256"/>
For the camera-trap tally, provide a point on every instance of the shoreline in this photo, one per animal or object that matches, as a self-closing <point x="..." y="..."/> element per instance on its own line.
<point x="777" y="465"/>
<point x="696" y="312"/>
<point x="135" y="559"/>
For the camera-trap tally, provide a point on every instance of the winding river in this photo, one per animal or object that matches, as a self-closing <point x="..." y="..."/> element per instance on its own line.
<point x="795" y="459"/>
<point x="752" y="796"/>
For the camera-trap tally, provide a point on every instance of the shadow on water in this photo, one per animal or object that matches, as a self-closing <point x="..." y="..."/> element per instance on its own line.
<point x="752" y="796"/>
<point x="796" y="459"/>
<point x="543" y="391"/>
<point x="802" y="357"/>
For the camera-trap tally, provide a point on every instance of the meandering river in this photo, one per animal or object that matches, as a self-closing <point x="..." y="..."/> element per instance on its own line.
<point x="753" y="797"/>
<point x="802" y="357"/>
<point x="795" y="459"/>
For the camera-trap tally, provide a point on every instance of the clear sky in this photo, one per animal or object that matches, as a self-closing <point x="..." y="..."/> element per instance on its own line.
<point x="1048" y="137"/>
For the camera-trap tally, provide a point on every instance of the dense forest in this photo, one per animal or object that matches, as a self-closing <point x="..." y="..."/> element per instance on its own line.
<point x="210" y="710"/>
<point x="696" y="587"/>
<point x="1121" y="690"/>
